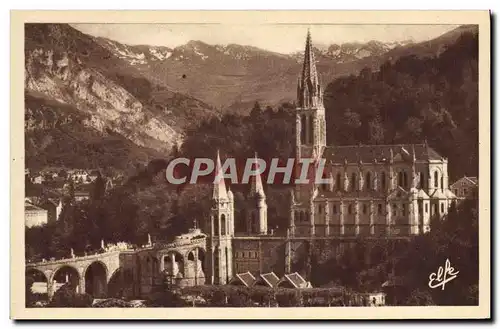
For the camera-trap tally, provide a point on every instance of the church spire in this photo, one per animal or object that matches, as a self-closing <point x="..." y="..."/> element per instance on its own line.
<point x="309" y="90"/>
<point x="256" y="185"/>
<point x="220" y="192"/>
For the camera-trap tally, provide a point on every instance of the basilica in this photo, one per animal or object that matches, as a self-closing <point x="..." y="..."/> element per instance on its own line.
<point x="377" y="191"/>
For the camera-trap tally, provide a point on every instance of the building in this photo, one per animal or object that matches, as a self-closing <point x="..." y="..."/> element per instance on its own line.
<point x="466" y="188"/>
<point x="34" y="216"/>
<point x="388" y="191"/>
<point x="374" y="189"/>
<point x="53" y="207"/>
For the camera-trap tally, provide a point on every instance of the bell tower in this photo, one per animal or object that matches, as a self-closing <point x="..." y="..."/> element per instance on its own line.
<point x="221" y="229"/>
<point x="257" y="214"/>
<point x="310" y="112"/>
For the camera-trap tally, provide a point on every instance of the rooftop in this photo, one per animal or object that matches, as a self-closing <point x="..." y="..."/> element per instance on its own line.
<point x="380" y="153"/>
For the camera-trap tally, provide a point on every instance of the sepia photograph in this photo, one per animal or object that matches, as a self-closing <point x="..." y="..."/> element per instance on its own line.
<point x="262" y="165"/>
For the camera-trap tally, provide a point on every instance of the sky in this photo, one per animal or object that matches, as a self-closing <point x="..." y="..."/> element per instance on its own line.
<point x="278" y="38"/>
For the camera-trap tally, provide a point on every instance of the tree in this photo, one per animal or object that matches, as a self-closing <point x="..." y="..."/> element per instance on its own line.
<point x="66" y="296"/>
<point x="99" y="188"/>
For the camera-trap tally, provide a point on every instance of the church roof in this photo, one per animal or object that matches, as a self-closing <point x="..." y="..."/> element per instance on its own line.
<point x="256" y="187"/>
<point x="220" y="192"/>
<point x="379" y="153"/>
<point x="308" y="88"/>
<point x="438" y="194"/>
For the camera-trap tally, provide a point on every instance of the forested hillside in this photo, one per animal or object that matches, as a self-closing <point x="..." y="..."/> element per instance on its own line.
<point x="412" y="100"/>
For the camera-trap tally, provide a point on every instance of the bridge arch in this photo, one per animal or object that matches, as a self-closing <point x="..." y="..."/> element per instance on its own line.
<point x="195" y="266"/>
<point x="96" y="279"/>
<point x="39" y="283"/>
<point x="65" y="274"/>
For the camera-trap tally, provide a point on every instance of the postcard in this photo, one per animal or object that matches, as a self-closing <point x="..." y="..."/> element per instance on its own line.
<point x="250" y="164"/>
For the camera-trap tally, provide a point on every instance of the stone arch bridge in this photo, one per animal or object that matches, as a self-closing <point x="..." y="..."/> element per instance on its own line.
<point x="87" y="274"/>
<point x="127" y="272"/>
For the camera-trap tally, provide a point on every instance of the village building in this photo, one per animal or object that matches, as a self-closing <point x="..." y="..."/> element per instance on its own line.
<point x="34" y="216"/>
<point x="466" y="188"/>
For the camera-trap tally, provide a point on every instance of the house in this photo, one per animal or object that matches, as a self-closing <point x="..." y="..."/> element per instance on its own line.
<point x="34" y="216"/>
<point x="465" y="188"/>
<point x="53" y="207"/>
<point x="37" y="179"/>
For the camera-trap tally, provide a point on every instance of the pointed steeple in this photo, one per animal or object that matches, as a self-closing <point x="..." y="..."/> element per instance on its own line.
<point x="256" y="184"/>
<point x="220" y="192"/>
<point x="309" y="90"/>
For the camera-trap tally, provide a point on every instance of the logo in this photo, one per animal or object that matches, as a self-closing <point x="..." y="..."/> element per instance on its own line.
<point x="442" y="276"/>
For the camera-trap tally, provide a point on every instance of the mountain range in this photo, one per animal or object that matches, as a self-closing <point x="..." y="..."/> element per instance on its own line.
<point x="118" y="103"/>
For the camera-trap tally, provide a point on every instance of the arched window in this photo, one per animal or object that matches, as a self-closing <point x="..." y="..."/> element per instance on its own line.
<point x="400" y="178"/>
<point x="436" y="180"/>
<point x="368" y="182"/>
<point x="337" y="182"/>
<point x="382" y="180"/>
<point x="353" y="182"/>
<point x="216" y="225"/>
<point x="311" y="130"/>
<point x="223" y="224"/>
<point x="442" y="183"/>
<point x="422" y="180"/>
<point x="303" y="129"/>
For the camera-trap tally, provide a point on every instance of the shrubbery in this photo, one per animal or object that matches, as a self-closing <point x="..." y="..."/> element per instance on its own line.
<point x="67" y="297"/>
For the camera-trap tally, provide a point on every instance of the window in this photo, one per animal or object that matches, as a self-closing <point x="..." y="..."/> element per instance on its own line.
<point x="303" y="129"/>
<point x="436" y="180"/>
<point x="405" y="179"/>
<point x="337" y="182"/>
<point x="311" y="130"/>
<point x="394" y="209"/>
<point x="353" y="182"/>
<point x="216" y="225"/>
<point x="442" y="208"/>
<point x="442" y="184"/>
<point x="465" y="191"/>
<point x="223" y="224"/>
<point x="349" y="209"/>
<point x="380" y="209"/>
<point x="403" y="209"/>
<point x="320" y="209"/>
<point x="368" y="181"/>
<point x="364" y="209"/>
<point x="422" y="180"/>
<point x="382" y="180"/>
<point x="400" y="178"/>
<point x="426" y="208"/>
<point x="334" y="208"/>
<point x="434" y="209"/>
